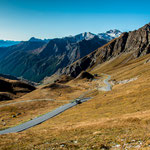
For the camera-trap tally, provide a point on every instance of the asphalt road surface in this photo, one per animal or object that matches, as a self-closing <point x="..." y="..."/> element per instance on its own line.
<point x="42" y="118"/>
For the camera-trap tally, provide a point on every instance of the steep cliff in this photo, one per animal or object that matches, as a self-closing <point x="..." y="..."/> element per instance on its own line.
<point x="137" y="42"/>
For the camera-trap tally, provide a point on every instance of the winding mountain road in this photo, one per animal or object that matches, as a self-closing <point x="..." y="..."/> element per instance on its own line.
<point x="53" y="113"/>
<point x="108" y="86"/>
<point x="42" y="118"/>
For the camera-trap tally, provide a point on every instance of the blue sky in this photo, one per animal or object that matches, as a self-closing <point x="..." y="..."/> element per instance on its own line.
<point x="22" y="19"/>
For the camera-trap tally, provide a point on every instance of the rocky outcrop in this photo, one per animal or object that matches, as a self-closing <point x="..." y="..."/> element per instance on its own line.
<point x="137" y="42"/>
<point x="85" y="75"/>
<point x="11" y="89"/>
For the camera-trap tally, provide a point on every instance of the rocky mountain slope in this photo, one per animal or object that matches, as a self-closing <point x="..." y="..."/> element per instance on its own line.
<point x="36" y="63"/>
<point x="35" y="59"/>
<point x="136" y="42"/>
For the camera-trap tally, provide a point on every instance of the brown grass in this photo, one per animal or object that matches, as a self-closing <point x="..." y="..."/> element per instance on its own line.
<point x="22" y="112"/>
<point x="119" y="117"/>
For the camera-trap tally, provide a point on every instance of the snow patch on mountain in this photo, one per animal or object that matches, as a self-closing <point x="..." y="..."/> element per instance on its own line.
<point x="88" y="35"/>
<point x="109" y="35"/>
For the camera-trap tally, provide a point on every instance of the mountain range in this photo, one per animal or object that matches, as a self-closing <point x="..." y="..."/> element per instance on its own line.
<point x="137" y="43"/>
<point x="35" y="59"/>
<point x="115" y="76"/>
<point x="8" y="43"/>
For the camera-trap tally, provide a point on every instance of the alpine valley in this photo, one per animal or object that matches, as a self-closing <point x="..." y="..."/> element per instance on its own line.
<point x="95" y="93"/>
<point x="35" y="59"/>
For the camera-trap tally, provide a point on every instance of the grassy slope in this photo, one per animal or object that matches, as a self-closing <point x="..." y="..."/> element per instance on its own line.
<point x="28" y="110"/>
<point x="121" y="116"/>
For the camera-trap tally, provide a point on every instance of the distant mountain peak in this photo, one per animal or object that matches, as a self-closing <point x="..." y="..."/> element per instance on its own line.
<point x="88" y="35"/>
<point x="114" y="31"/>
<point x="146" y="27"/>
<point x="33" y="39"/>
<point x="111" y="34"/>
<point x="84" y="36"/>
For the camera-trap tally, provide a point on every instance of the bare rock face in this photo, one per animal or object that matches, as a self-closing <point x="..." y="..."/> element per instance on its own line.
<point x="76" y="68"/>
<point x="137" y="42"/>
